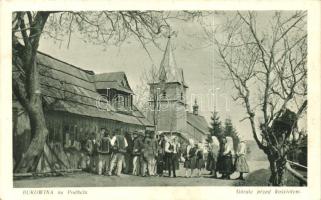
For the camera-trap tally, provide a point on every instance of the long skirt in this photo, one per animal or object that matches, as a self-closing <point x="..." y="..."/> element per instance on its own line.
<point x="211" y="164"/>
<point x="187" y="163"/>
<point x="200" y="164"/>
<point x="190" y="163"/>
<point x="241" y="164"/>
<point x="219" y="163"/>
<point x="226" y="165"/>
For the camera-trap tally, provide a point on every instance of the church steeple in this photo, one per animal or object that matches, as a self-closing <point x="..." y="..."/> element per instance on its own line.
<point x="171" y="89"/>
<point x="168" y="71"/>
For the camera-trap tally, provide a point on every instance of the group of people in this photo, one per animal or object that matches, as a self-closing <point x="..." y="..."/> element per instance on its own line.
<point x="223" y="159"/>
<point x="139" y="153"/>
<point x="144" y="154"/>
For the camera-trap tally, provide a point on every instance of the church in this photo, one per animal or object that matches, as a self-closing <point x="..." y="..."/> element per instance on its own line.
<point x="168" y="104"/>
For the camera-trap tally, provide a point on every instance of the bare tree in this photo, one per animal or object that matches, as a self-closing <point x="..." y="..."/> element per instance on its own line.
<point x="150" y="94"/>
<point x="103" y="28"/>
<point x="265" y="57"/>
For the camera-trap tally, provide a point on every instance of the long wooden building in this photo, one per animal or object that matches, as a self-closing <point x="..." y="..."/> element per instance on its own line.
<point x="77" y="103"/>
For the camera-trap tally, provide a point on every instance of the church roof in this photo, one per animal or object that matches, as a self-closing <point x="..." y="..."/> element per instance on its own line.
<point x="198" y="122"/>
<point x="168" y="71"/>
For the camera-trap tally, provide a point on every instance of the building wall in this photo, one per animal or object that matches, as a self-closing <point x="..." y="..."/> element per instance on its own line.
<point x="67" y="135"/>
<point x="194" y="133"/>
<point x="80" y="127"/>
<point x="171" y="113"/>
<point x="173" y="91"/>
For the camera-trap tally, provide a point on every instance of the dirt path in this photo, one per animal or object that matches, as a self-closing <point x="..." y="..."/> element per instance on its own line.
<point x="91" y="180"/>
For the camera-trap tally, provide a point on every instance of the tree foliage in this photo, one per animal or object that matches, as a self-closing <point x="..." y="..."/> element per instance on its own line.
<point x="216" y="128"/>
<point x="229" y="129"/>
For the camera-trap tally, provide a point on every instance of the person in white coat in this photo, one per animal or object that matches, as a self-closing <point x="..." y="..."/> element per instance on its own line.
<point x="241" y="165"/>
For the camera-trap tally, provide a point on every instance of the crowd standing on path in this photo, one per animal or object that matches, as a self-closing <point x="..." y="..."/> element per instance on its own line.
<point x="143" y="153"/>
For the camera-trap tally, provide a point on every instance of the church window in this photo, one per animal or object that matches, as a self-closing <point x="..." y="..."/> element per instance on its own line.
<point x="181" y="95"/>
<point x="164" y="94"/>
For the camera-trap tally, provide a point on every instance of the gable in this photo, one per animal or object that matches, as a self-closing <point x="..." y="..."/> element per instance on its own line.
<point x="113" y="80"/>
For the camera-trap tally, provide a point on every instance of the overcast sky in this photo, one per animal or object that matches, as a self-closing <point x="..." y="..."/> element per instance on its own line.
<point x="192" y="53"/>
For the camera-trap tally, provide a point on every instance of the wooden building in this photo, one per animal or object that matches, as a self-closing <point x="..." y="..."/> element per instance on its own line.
<point x="168" y="102"/>
<point x="77" y="103"/>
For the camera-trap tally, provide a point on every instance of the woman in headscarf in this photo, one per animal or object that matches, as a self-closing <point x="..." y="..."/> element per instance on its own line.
<point x="227" y="163"/>
<point x="213" y="148"/>
<point x="241" y="165"/>
<point x="190" y="158"/>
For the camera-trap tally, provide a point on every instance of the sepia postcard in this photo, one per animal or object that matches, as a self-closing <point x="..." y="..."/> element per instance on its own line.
<point x="160" y="100"/>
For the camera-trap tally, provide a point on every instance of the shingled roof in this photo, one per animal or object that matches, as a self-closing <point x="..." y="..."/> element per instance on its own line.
<point x="115" y="80"/>
<point x="198" y="122"/>
<point x="68" y="88"/>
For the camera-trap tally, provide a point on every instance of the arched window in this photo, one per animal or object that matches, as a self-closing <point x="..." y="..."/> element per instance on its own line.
<point x="182" y="96"/>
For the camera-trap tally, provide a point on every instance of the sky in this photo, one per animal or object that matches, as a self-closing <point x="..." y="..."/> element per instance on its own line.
<point x="192" y="53"/>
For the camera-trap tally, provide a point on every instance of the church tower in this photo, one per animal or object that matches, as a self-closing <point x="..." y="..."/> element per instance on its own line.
<point x="168" y="95"/>
<point x="195" y="108"/>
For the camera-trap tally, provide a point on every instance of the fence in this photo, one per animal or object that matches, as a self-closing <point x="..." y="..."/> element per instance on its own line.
<point x="295" y="173"/>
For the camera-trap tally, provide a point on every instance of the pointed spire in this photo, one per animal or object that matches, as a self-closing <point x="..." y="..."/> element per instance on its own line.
<point x="168" y="71"/>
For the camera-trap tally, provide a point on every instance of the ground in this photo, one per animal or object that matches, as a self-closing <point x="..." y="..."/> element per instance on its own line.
<point x="90" y="180"/>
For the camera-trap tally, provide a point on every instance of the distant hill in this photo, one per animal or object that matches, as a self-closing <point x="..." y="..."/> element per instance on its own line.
<point x="254" y="153"/>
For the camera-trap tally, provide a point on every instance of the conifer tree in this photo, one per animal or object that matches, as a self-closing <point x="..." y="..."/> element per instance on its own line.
<point x="230" y="131"/>
<point x="216" y="125"/>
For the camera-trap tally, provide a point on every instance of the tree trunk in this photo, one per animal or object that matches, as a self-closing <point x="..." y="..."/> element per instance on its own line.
<point x="29" y="159"/>
<point x="277" y="167"/>
<point x="39" y="131"/>
<point x="30" y="97"/>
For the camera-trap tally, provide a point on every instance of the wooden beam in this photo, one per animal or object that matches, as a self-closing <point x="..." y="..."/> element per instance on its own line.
<point x="296" y="174"/>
